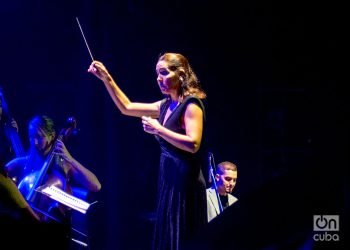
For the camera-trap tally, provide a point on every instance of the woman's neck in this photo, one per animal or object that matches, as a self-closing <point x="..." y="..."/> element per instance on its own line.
<point x="173" y="104"/>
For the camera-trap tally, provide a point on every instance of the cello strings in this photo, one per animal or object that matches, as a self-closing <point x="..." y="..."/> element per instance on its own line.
<point x="87" y="46"/>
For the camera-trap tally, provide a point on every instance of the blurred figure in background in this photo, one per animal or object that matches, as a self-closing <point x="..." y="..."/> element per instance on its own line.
<point x="226" y="178"/>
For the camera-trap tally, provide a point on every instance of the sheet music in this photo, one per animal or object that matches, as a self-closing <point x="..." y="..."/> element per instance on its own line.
<point x="65" y="198"/>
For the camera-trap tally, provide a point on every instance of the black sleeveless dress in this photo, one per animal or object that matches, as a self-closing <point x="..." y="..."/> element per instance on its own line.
<point x="181" y="207"/>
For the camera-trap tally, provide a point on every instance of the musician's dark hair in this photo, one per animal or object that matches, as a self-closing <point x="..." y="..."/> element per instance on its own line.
<point x="43" y="122"/>
<point x="225" y="165"/>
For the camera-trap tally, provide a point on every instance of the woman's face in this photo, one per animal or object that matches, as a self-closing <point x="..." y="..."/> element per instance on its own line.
<point x="167" y="79"/>
<point x="40" y="140"/>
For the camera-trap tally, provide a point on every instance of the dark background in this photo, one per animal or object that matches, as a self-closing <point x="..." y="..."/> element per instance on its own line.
<point x="273" y="107"/>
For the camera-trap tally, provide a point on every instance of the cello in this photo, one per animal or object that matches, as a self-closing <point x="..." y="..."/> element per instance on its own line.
<point x="10" y="129"/>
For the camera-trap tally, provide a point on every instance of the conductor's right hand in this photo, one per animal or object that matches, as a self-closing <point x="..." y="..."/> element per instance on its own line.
<point x="99" y="70"/>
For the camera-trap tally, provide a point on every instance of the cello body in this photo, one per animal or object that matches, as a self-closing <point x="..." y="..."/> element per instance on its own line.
<point x="47" y="208"/>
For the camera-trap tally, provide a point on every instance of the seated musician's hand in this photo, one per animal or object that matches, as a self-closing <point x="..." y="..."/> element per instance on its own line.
<point x="14" y="124"/>
<point x="62" y="151"/>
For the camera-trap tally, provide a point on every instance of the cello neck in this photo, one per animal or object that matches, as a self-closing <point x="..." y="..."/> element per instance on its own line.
<point x="43" y="170"/>
<point x="10" y="131"/>
<point x="15" y="141"/>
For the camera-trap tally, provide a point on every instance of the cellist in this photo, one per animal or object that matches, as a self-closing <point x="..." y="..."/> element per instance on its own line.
<point x="64" y="171"/>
